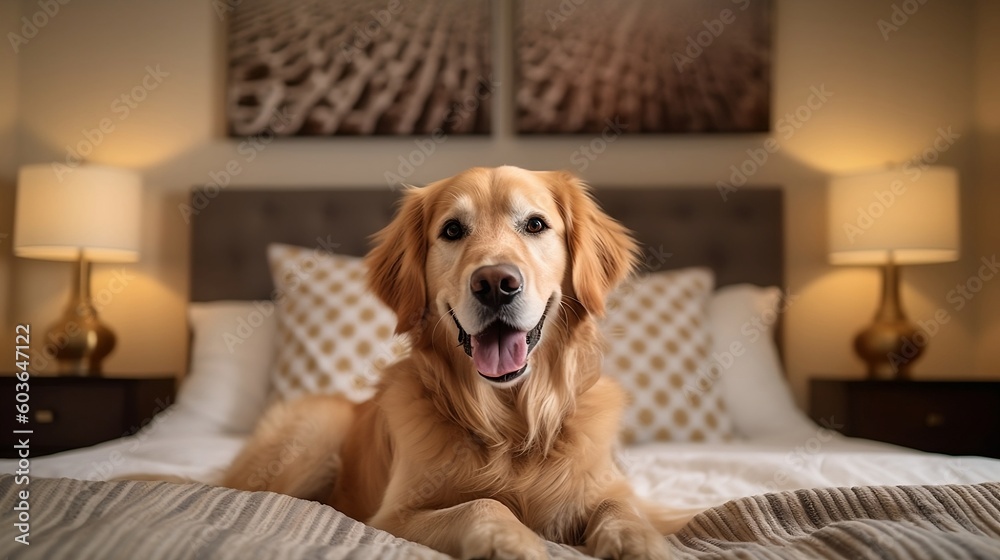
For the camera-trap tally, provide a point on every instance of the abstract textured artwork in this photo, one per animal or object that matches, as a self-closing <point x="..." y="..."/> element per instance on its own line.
<point x="642" y="66"/>
<point x="359" y="67"/>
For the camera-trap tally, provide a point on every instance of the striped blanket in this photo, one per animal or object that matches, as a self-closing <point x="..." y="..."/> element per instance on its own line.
<point x="154" y="520"/>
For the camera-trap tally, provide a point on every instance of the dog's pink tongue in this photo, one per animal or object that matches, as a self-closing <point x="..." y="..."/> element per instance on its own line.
<point x="499" y="350"/>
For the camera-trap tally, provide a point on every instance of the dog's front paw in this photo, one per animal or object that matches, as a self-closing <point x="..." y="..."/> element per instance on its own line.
<point x="628" y="540"/>
<point x="501" y="540"/>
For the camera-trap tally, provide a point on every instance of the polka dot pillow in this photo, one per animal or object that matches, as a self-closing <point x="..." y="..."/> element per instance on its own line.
<point x="658" y="349"/>
<point x="334" y="336"/>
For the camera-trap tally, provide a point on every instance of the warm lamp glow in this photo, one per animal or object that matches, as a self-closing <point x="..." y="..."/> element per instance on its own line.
<point x="890" y="218"/>
<point x="86" y="214"/>
<point x="906" y="216"/>
<point x="92" y="212"/>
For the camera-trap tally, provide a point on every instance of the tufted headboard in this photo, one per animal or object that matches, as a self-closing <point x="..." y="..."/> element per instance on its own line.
<point x="742" y="239"/>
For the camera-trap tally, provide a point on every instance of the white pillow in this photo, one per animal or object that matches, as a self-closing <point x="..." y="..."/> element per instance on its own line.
<point x="758" y="398"/>
<point x="231" y="355"/>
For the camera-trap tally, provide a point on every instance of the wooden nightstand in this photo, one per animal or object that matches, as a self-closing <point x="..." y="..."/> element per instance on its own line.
<point x="71" y="412"/>
<point x="953" y="417"/>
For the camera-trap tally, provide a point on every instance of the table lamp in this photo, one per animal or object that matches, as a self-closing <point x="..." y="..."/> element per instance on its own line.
<point x="889" y="218"/>
<point x="84" y="215"/>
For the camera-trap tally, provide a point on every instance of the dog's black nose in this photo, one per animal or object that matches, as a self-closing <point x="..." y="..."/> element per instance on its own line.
<point x="497" y="284"/>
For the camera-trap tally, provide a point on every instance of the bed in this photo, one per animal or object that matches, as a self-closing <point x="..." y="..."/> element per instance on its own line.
<point x="777" y="486"/>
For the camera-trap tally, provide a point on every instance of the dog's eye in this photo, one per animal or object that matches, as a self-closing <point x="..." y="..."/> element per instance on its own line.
<point x="453" y="230"/>
<point x="535" y="225"/>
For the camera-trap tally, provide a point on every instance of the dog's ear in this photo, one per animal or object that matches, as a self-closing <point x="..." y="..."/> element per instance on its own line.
<point x="396" y="262"/>
<point x="602" y="251"/>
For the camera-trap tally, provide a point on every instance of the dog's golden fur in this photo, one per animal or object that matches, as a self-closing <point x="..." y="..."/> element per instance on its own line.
<point x="443" y="457"/>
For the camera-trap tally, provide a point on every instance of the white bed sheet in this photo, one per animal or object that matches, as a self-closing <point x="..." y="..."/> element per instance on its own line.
<point x="174" y="444"/>
<point x="698" y="476"/>
<point x="682" y="476"/>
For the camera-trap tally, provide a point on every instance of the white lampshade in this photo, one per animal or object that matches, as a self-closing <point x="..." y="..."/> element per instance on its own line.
<point x="89" y="211"/>
<point x="905" y="215"/>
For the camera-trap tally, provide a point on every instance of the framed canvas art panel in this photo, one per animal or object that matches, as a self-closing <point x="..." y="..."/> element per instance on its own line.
<point x="642" y="66"/>
<point x="359" y="67"/>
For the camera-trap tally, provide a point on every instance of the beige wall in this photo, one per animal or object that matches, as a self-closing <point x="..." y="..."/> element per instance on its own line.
<point x="889" y="98"/>
<point x="9" y="12"/>
<point x="988" y="178"/>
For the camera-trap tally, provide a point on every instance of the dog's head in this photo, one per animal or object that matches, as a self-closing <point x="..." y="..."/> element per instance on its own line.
<point x="491" y="256"/>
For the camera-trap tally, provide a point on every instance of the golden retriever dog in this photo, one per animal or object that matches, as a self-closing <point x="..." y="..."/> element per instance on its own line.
<point x="497" y="430"/>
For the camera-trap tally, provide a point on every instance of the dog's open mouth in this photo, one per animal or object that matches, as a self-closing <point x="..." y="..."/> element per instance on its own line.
<point x="500" y="352"/>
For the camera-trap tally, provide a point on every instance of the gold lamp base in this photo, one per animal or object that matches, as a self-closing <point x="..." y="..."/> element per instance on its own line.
<point x="887" y="345"/>
<point x="81" y="340"/>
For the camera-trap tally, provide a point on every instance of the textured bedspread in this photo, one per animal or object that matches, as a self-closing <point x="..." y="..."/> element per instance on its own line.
<point x="153" y="520"/>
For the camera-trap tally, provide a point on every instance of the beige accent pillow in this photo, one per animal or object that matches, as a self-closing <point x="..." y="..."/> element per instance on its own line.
<point x="658" y="349"/>
<point x="334" y="336"/>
